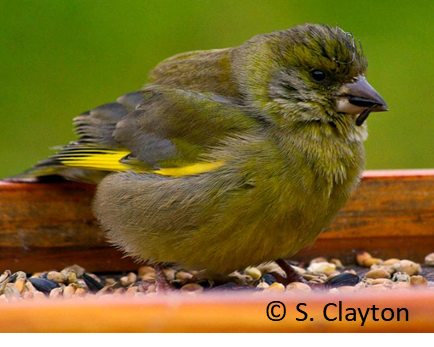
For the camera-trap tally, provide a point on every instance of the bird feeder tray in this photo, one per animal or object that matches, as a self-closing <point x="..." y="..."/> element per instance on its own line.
<point x="50" y="226"/>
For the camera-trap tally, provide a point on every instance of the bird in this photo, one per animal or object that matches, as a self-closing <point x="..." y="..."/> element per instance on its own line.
<point x="228" y="158"/>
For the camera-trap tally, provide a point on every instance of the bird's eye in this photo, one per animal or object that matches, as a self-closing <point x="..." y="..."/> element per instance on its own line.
<point x="318" y="75"/>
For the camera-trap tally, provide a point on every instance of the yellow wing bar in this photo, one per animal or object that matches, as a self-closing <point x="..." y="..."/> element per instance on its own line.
<point x="109" y="160"/>
<point x="193" y="169"/>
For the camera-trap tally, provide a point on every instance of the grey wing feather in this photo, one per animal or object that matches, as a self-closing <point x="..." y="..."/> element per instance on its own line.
<point x="97" y="126"/>
<point x="146" y="145"/>
<point x="131" y="100"/>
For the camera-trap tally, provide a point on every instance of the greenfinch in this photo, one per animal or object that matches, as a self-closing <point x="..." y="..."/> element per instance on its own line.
<point x="231" y="157"/>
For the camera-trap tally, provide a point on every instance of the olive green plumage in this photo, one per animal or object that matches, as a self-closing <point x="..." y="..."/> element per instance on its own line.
<point x="268" y="112"/>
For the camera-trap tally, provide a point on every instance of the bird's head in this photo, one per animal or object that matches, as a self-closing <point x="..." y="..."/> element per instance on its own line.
<point x="310" y="73"/>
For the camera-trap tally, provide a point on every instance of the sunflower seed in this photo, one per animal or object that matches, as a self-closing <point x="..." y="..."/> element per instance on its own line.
<point x="43" y="285"/>
<point x="344" y="279"/>
<point x="93" y="285"/>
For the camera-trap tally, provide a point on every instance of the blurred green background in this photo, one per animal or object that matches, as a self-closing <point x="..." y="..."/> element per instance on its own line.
<point x="61" y="57"/>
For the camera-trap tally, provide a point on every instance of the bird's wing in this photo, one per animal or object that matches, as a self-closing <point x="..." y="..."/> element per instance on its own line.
<point x="161" y="130"/>
<point x="173" y="127"/>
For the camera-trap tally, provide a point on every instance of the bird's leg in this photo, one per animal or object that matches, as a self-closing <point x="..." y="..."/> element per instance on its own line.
<point x="291" y="274"/>
<point x="161" y="281"/>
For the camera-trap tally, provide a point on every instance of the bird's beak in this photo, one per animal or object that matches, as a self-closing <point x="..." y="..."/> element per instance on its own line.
<point x="359" y="98"/>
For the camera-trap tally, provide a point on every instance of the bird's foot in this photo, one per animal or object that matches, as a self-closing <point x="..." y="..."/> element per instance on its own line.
<point x="161" y="282"/>
<point x="292" y="275"/>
